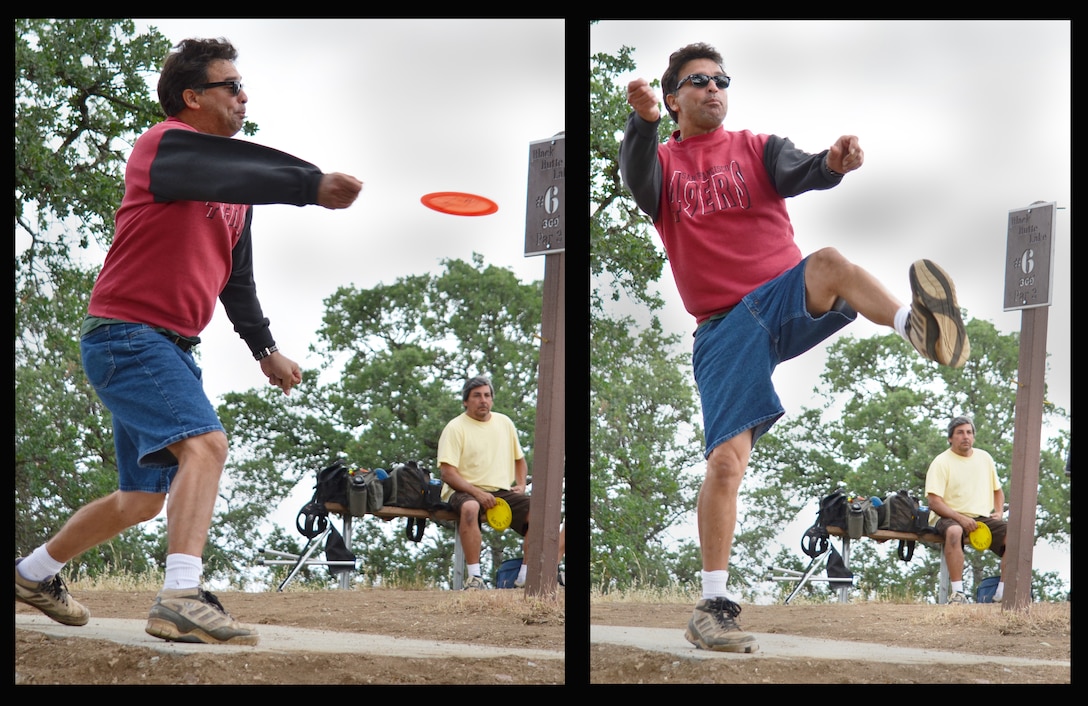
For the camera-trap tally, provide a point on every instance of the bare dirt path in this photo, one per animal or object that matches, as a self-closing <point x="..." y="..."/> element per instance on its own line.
<point x="504" y="637"/>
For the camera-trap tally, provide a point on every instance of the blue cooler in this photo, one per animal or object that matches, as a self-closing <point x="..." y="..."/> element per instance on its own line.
<point x="986" y="589"/>
<point x="508" y="573"/>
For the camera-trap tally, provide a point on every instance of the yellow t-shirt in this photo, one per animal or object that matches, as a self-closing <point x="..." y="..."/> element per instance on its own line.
<point x="482" y="452"/>
<point x="967" y="484"/>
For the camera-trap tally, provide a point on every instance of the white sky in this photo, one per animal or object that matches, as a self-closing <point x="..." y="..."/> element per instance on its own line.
<point x="407" y="106"/>
<point x="961" y="122"/>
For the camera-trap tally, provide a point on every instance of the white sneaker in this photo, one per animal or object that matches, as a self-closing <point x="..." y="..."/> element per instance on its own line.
<point x="519" y="582"/>
<point x="958" y="598"/>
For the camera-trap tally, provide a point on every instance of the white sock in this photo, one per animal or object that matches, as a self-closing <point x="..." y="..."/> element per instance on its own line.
<point x="901" y="318"/>
<point x="957" y="586"/>
<point x="1000" y="592"/>
<point x="183" y="571"/>
<point x="714" y="584"/>
<point x="39" y="566"/>
<point x="522" y="571"/>
<point x="473" y="569"/>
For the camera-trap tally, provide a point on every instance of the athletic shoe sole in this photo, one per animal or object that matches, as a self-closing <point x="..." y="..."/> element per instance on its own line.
<point x="70" y="612"/>
<point x="942" y="337"/>
<point x="746" y="645"/>
<point x="189" y="619"/>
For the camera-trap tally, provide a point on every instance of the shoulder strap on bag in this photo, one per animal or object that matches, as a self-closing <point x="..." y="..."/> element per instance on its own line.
<point x="815" y="542"/>
<point x="414" y="528"/>
<point x="312" y="520"/>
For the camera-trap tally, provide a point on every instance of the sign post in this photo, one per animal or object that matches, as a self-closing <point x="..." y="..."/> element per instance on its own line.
<point x="1029" y="267"/>
<point x="545" y="228"/>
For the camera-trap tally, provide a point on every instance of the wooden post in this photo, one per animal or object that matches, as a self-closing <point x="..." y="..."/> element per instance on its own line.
<point x="545" y="235"/>
<point x="549" y="455"/>
<point x="1024" y="473"/>
<point x="1029" y="283"/>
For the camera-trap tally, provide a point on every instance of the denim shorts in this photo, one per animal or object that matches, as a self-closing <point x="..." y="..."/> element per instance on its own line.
<point x="733" y="357"/>
<point x="154" y="392"/>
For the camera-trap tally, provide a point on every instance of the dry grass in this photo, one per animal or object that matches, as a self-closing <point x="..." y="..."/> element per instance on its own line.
<point x="650" y="594"/>
<point x="150" y="581"/>
<point x="546" y="609"/>
<point x="1035" y="619"/>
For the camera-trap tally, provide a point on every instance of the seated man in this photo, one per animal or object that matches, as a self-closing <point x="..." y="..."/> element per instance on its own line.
<point x="481" y="459"/>
<point x="963" y="490"/>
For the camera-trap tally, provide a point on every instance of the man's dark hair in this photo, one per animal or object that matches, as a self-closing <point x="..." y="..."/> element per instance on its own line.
<point x="472" y="383"/>
<point x="677" y="60"/>
<point x="186" y="66"/>
<point x="959" y="421"/>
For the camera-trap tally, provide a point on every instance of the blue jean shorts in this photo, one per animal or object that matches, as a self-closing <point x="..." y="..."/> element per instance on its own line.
<point x="733" y="357"/>
<point x="154" y="391"/>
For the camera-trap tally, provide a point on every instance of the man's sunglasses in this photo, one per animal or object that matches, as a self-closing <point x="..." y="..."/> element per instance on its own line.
<point x="701" y="80"/>
<point x="235" y="86"/>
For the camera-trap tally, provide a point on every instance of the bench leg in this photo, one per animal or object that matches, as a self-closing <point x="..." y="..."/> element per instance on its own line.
<point x="942" y="591"/>
<point x="345" y="577"/>
<point x="304" y="558"/>
<point x="803" y="578"/>
<point x="844" y="591"/>
<point x="458" y="560"/>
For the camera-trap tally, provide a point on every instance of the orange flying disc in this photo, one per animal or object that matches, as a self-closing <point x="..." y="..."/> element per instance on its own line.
<point x="459" y="203"/>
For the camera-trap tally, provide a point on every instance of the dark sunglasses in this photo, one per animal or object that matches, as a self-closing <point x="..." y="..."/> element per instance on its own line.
<point x="235" y="86"/>
<point x="700" y="80"/>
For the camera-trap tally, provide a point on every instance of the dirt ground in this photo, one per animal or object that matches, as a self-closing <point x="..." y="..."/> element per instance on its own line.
<point x="1042" y="633"/>
<point x="512" y="619"/>
<point x="496" y="617"/>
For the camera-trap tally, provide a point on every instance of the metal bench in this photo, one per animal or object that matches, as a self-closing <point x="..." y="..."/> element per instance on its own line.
<point x="803" y="577"/>
<point x="272" y="557"/>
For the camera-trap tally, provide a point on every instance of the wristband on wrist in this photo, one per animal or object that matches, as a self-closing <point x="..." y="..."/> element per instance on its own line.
<point x="831" y="171"/>
<point x="264" y="353"/>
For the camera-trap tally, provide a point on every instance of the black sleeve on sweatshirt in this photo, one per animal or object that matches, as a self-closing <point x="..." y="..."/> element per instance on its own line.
<point x="794" y="171"/>
<point x="639" y="166"/>
<point x="193" y="166"/>
<point x="239" y="297"/>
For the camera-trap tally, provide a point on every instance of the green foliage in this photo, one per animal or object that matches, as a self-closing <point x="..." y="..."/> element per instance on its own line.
<point x="397" y="355"/>
<point x="642" y="401"/>
<point x="81" y="97"/>
<point x="882" y="422"/>
<point x="622" y="245"/>
<point x="83" y="94"/>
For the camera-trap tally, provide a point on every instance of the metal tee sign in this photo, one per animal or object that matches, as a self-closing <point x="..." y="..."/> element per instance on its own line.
<point x="1029" y="257"/>
<point x="544" y="202"/>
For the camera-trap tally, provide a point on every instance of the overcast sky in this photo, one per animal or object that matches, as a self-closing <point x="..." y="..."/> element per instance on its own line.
<point x="407" y="106"/>
<point x="961" y="122"/>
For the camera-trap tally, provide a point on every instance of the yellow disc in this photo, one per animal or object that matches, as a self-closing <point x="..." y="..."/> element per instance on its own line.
<point x="499" y="516"/>
<point x="980" y="539"/>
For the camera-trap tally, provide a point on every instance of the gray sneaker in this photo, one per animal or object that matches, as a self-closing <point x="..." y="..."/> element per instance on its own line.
<point x="958" y="598"/>
<point x="474" y="583"/>
<point x="935" y="327"/>
<point x="51" y="597"/>
<point x="713" y="626"/>
<point x="196" y="615"/>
